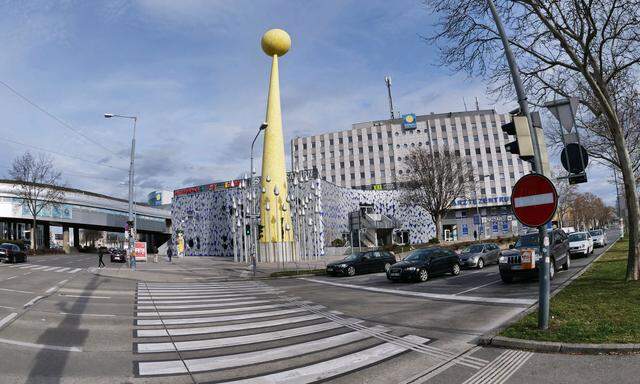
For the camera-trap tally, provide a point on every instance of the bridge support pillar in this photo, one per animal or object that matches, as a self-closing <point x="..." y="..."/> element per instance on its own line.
<point x="46" y="235"/>
<point x="65" y="240"/>
<point x="76" y="237"/>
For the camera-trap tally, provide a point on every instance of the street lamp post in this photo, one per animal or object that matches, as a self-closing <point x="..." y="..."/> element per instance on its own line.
<point x="131" y="218"/>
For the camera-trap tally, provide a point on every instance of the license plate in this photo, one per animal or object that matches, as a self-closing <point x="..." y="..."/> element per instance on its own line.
<point x="394" y="274"/>
<point x="329" y="269"/>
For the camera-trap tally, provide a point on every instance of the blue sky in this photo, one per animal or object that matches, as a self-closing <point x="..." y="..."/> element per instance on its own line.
<point x="194" y="73"/>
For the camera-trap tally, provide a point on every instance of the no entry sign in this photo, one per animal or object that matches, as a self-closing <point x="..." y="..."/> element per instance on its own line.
<point x="534" y="200"/>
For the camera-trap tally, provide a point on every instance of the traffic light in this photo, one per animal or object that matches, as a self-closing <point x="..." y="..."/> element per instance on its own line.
<point x="260" y="229"/>
<point x="247" y="229"/>
<point x="522" y="146"/>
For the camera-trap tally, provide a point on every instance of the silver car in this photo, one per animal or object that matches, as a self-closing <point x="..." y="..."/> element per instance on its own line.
<point x="479" y="255"/>
<point x="599" y="237"/>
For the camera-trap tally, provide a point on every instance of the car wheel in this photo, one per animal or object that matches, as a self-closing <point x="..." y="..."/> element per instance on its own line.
<point x="480" y="264"/>
<point x="506" y="279"/>
<point x="552" y="269"/>
<point x="567" y="263"/>
<point x="423" y="275"/>
<point x="351" y="271"/>
<point x="387" y="266"/>
<point x="455" y="269"/>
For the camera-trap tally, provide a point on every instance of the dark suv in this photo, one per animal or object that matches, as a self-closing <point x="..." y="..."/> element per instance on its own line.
<point x="518" y="261"/>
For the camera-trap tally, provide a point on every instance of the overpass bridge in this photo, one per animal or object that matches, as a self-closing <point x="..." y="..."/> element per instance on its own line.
<point x="80" y="210"/>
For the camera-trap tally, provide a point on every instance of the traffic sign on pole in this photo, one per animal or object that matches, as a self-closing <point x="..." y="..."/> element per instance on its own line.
<point x="534" y="200"/>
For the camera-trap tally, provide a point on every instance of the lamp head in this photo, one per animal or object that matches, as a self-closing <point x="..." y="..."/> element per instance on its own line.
<point x="108" y="115"/>
<point x="263" y="126"/>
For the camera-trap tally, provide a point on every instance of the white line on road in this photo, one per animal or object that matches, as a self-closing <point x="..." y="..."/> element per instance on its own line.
<point x="28" y="273"/>
<point x="41" y="346"/>
<point x="4" y="306"/>
<point x="63" y="281"/>
<point x="211" y="311"/>
<point x="50" y="269"/>
<point x="500" y="369"/>
<point x="208" y="305"/>
<point x="39" y="267"/>
<point x="478" y="287"/>
<point x="85" y="314"/>
<point x="248" y="358"/>
<point x="12" y="277"/>
<point x="180" y="295"/>
<point x="214" y="300"/>
<point x="75" y="270"/>
<point x="32" y="301"/>
<point x="51" y="289"/>
<point x="218" y="319"/>
<point x="7" y="319"/>
<point x="63" y="269"/>
<point x="334" y="367"/>
<point x="435" y="296"/>
<point x="195" y="345"/>
<point x="14" y="290"/>
<point x="86" y="296"/>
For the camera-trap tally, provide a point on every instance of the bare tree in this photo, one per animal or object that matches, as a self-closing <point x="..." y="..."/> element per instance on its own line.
<point x="37" y="185"/>
<point x="566" y="196"/>
<point x="433" y="180"/>
<point x="91" y="236"/>
<point x="564" y="48"/>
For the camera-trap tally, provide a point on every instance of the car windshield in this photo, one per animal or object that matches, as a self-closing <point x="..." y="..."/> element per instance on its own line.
<point x="577" y="237"/>
<point x="6" y="246"/>
<point x="353" y="257"/>
<point x="530" y="240"/>
<point x="595" y="233"/>
<point x="418" y="254"/>
<point x="476" y="248"/>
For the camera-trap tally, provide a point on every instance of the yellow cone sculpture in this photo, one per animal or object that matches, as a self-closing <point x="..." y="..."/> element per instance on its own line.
<point x="275" y="216"/>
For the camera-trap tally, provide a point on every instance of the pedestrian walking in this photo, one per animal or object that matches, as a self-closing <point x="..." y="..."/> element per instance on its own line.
<point x="100" y="255"/>
<point x="133" y="262"/>
<point x="169" y="253"/>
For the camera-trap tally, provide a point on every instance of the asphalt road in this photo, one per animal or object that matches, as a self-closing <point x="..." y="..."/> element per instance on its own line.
<point x="60" y="323"/>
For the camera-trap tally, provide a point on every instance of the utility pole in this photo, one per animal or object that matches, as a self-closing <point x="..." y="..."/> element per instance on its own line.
<point x="387" y="80"/>
<point x="543" y="266"/>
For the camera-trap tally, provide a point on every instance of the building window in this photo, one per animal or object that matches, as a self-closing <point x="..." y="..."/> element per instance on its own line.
<point x="369" y="136"/>
<point x="482" y="190"/>
<point x="495" y="136"/>
<point x="511" y="175"/>
<point x="405" y="145"/>
<point x="379" y="135"/>
<point x="419" y="143"/>
<point x="333" y="179"/>
<point x="500" y="163"/>
<point x="490" y="163"/>
<point x="342" y="164"/>
<point x="475" y="138"/>
<point x="488" y="150"/>
<point x="351" y="163"/>
<point x="341" y="153"/>
<point x="304" y="146"/>
<point x="342" y="177"/>
<point x="313" y="145"/>
<point x="361" y="163"/>
<point x="371" y="161"/>
<point x="479" y="164"/>
<point x="509" y="161"/>
<point x="503" y="189"/>
<point x="333" y="166"/>
<point x="477" y="151"/>
<point x="455" y="140"/>
<point x="370" y="148"/>
<point x="486" y="137"/>
<point x="484" y="125"/>
<point x="467" y="152"/>
<point x="397" y="145"/>
<point x="493" y="191"/>
<point x="362" y="175"/>
<point x="373" y="175"/>
<point x="400" y="172"/>
<point x="379" y="147"/>
<point x="360" y="150"/>
<point x="466" y="139"/>
<point x="382" y="160"/>
<point x="389" y="134"/>
<point x="457" y="152"/>
<point x="399" y="158"/>
<point x="397" y="133"/>
<point x="353" y="176"/>
<point x="359" y="137"/>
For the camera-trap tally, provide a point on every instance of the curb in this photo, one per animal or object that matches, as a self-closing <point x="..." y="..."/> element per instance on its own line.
<point x="555" y="347"/>
<point x="491" y="338"/>
<point x="227" y="279"/>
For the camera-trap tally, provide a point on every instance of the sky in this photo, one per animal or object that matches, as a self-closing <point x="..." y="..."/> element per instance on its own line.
<point x="195" y="75"/>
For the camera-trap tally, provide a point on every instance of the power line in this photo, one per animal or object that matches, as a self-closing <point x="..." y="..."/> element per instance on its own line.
<point x="63" y="154"/>
<point x="54" y="117"/>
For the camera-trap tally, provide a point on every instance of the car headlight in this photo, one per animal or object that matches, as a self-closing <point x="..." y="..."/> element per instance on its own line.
<point x="502" y="260"/>
<point x="342" y="266"/>
<point x="410" y="269"/>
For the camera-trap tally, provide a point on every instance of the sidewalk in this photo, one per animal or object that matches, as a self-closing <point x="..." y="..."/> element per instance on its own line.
<point x="192" y="268"/>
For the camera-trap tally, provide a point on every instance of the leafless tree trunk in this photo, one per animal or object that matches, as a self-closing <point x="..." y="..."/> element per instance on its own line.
<point x="433" y="181"/>
<point x="566" y="197"/>
<point x="589" y="49"/>
<point x="37" y="185"/>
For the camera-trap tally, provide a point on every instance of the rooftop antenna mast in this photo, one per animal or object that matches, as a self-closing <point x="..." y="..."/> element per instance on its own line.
<point x="477" y="105"/>
<point x="387" y="80"/>
<point x="465" y="104"/>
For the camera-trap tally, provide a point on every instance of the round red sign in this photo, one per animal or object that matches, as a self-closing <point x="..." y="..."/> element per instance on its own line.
<point x="534" y="200"/>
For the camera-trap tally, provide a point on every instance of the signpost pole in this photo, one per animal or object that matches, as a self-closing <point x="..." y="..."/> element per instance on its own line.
<point x="544" y="288"/>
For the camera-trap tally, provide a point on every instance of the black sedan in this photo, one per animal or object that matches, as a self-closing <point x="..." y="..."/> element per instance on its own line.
<point x="362" y="262"/>
<point x="118" y="255"/>
<point x="424" y="263"/>
<point x="11" y="253"/>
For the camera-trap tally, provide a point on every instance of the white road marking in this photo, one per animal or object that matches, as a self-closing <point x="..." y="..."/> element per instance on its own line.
<point x="63" y="281"/>
<point x="12" y="277"/>
<point x="210" y="311"/>
<point x="200" y="290"/>
<point x="40" y="346"/>
<point x="63" y="269"/>
<point x="214" y="300"/>
<point x="334" y="367"/>
<point x="28" y="266"/>
<point x="14" y="290"/>
<point x="224" y="328"/>
<point x="178" y="295"/>
<point x="435" y="296"/>
<point x="52" y="269"/>
<point x="85" y="314"/>
<point x="248" y="358"/>
<point x="51" y="289"/>
<point x="208" y="305"/>
<point x="86" y="296"/>
<point x="75" y="270"/>
<point x="478" y="287"/>
<point x="196" y="345"/>
<point x="217" y="319"/>
<point x="201" y="285"/>
<point x="32" y="301"/>
<point x="39" y="267"/>
<point x="4" y="306"/>
<point x="501" y="368"/>
<point x="529" y="201"/>
<point x="7" y="319"/>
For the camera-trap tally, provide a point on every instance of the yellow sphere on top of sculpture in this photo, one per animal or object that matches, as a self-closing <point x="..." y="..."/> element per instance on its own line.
<point x="276" y="42"/>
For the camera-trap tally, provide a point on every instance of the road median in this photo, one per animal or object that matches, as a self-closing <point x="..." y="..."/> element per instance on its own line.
<point x="596" y="313"/>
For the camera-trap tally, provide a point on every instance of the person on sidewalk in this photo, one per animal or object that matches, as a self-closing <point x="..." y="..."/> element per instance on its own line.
<point x="100" y="255"/>
<point x="169" y="253"/>
<point x="133" y="262"/>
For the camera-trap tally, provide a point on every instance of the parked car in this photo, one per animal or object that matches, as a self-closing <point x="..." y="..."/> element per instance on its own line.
<point x="523" y="258"/>
<point x="423" y="263"/>
<point x="580" y="243"/>
<point x="362" y="262"/>
<point x="11" y="253"/>
<point x="118" y="255"/>
<point x="599" y="237"/>
<point x="568" y="230"/>
<point x="479" y="255"/>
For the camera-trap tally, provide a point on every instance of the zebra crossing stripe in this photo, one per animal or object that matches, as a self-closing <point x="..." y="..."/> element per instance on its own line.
<point x="224" y="328"/>
<point x="218" y="319"/>
<point x="212" y="300"/>
<point x="213" y="285"/>
<point x="173" y="295"/>
<point x="211" y="311"/>
<point x="63" y="269"/>
<point x="203" y="297"/>
<point x="208" y="291"/>
<point x="75" y="270"/>
<point x="28" y="266"/>
<point x="39" y="267"/>
<point x="51" y="269"/>
<point x="195" y="345"/>
<point x="249" y="358"/>
<point x="334" y="367"/>
<point x="208" y="305"/>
